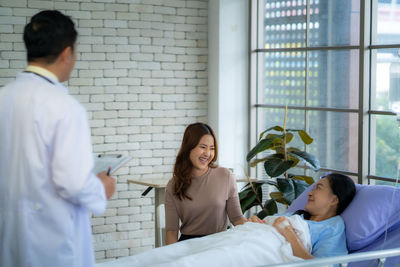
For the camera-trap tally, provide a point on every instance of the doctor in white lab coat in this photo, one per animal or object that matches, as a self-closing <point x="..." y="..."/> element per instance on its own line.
<point x="47" y="188"/>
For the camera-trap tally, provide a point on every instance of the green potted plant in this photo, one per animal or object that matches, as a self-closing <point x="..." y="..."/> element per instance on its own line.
<point x="277" y="165"/>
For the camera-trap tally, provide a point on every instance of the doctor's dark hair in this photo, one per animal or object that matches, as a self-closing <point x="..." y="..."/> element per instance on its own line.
<point x="47" y="34"/>
<point x="183" y="165"/>
<point x="343" y="187"/>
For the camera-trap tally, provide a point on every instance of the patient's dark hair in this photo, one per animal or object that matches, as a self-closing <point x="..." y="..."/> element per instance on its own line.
<point x="343" y="187"/>
<point x="47" y="34"/>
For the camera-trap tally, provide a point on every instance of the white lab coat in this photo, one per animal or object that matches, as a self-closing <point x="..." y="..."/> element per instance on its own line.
<point x="46" y="184"/>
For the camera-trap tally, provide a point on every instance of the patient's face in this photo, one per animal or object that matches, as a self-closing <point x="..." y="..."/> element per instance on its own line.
<point x="321" y="199"/>
<point x="202" y="154"/>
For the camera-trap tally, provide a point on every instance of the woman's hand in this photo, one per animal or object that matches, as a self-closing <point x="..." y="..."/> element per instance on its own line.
<point x="283" y="226"/>
<point x="255" y="219"/>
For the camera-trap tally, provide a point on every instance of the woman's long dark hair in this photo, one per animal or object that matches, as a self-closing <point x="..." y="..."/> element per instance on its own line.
<point x="342" y="187"/>
<point x="183" y="165"/>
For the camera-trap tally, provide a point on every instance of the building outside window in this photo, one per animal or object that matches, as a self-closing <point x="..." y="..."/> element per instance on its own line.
<point x="336" y="65"/>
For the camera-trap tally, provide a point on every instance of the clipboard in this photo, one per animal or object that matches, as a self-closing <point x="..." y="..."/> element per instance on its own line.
<point x="103" y="161"/>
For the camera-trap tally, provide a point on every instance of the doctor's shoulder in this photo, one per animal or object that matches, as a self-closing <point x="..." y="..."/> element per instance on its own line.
<point x="57" y="100"/>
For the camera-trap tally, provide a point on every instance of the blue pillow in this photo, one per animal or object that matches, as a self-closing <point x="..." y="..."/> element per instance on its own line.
<point x="367" y="214"/>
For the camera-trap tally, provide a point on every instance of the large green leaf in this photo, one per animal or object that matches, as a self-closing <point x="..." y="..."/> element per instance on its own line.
<point x="287" y="189"/>
<point x="305" y="137"/>
<point x="245" y="193"/>
<point x="299" y="187"/>
<point x="277" y="166"/>
<point x="276" y="140"/>
<point x="276" y="128"/>
<point x="248" y="202"/>
<point x="261" y="146"/>
<point x="291" y="189"/>
<point x="247" y="197"/>
<point x="256" y="161"/>
<point x="310" y="159"/>
<point x="294" y="159"/>
<point x="262" y="214"/>
<point x="289" y="137"/>
<point x="269" y="157"/>
<point x="308" y="179"/>
<point x="278" y="197"/>
<point x="279" y="141"/>
<point x="270" y="208"/>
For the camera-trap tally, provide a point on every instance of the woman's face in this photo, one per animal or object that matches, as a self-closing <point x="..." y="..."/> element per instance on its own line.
<point x="321" y="200"/>
<point x="202" y="154"/>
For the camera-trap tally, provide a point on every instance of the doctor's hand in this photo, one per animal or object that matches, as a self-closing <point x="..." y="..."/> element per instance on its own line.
<point x="108" y="182"/>
<point x="255" y="219"/>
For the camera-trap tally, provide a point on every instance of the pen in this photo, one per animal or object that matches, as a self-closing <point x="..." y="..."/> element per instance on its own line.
<point x="108" y="171"/>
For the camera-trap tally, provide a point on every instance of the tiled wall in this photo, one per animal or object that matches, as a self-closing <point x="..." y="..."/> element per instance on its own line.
<point x="142" y="75"/>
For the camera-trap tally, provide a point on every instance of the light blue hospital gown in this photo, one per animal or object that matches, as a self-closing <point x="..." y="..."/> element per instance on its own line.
<point x="328" y="237"/>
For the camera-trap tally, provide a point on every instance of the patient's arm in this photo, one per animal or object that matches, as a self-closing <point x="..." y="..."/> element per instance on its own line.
<point x="288" y="232"/>
<point x="171" y="237"/>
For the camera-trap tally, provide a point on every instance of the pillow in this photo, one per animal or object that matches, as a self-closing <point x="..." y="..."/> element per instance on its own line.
<point x="366" y="216"/>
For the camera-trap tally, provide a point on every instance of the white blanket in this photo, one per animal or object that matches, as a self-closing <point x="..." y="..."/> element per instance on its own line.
<point x="251" y="244"/>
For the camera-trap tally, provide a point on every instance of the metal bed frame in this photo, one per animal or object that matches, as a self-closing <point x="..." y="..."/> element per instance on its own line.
<point x="380" y="255"/>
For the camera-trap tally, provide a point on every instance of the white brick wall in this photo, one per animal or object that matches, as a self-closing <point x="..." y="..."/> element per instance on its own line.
<point x="142" y="75"/>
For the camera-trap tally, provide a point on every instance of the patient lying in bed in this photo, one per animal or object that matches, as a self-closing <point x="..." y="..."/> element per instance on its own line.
<point x="251" y="244"/>
<point x="318" y="232"/>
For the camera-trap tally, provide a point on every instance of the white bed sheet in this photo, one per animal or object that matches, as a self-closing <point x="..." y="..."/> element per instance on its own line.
<point x="251" y="244"/>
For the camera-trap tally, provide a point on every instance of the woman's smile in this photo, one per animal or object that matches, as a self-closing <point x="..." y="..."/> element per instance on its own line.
<point x="204" y="160"/>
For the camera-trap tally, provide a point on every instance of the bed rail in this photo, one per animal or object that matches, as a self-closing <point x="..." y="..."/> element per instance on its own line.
<point x="381" y="255"/>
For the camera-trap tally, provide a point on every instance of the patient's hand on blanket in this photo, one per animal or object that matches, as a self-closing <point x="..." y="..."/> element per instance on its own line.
<point x="282" y="225"/>
<point x="255" y="219"/>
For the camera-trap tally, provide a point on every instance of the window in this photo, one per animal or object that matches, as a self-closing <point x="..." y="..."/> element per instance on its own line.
<point x="336" y="65"/>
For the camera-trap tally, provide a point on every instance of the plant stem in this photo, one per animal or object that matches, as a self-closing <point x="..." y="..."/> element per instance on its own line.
<point x="284" y="138"/>
<point x="254" y="190"/>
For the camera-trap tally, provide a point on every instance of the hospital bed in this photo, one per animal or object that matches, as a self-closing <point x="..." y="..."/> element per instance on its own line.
<point x="372" y="230"/>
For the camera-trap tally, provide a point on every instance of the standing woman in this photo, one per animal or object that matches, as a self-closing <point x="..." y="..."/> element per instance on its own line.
<point x="201" y="194"/>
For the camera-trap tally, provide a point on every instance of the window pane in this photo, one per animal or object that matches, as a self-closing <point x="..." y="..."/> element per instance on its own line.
<point x="387" y="25"/>
<point x="378" y="182"/>
<point x="335" y="139"/>
<point x="284" y="23"/>
<point x="385" y="145"/>
<point x="269" y="117"/>
<point x="334" y="23"/>
<point x="284" y="79"/>
<point x="387" y="79"/>
<point x="333" y="79"/>
<point x="331" y="23"/>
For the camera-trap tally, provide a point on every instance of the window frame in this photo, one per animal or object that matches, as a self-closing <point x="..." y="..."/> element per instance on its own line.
<point x="366" y="83"/>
